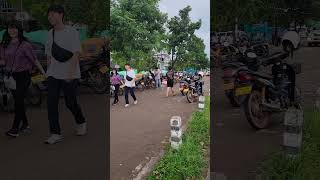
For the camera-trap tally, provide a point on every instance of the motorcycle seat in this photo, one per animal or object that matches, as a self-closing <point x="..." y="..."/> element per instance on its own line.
<point x="262" y="75"/>
<point x="274" y="57"/>
<point x="232" y="64"/>
<point x="87" y="62"/>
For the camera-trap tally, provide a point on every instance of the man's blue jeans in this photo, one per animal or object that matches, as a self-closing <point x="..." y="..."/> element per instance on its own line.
<point x="158" y="83"/>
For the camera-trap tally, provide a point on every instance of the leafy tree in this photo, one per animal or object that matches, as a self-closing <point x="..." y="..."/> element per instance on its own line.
<point x="181" y="32"/>
<point x="199" y="58"/>
<point x="136" y="31"/>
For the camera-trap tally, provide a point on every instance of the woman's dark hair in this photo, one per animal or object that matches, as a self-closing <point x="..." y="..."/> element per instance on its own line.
<point x="6" y="39"/>
<point x="114" y="69"/>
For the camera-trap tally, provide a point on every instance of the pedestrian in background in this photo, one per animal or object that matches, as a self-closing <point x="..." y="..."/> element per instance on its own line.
<point x="157" y="77"/>
<point x="130" y="84"/>
<point x="116" y="82"/>
<point x="170" y="81"/>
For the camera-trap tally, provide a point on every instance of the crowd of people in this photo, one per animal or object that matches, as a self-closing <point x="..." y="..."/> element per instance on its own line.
<point x="63" y="73"/>
<point x="129" y="82"/>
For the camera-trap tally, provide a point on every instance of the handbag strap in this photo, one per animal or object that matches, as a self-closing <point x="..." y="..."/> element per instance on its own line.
<point x="52" y="36"/>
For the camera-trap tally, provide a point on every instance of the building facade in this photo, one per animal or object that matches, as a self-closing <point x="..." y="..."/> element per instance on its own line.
<point x="163" y="60"/>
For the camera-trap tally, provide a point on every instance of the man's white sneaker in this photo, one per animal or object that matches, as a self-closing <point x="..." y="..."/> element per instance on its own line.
<point x="135" y="102"/>
<point x="54" y="138"/>
<point x="127" y="105"/>
<point x="81" y="129"/>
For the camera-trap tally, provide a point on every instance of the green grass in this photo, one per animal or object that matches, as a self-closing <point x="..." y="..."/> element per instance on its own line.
<point x="306" y="166"/>
<point x="189" y="162"/>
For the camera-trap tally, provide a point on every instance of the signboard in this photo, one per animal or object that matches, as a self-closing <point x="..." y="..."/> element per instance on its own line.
<point x="21" y="16"/>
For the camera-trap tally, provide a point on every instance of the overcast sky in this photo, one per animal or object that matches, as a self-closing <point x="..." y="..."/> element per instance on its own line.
<point x="200" y="10"/>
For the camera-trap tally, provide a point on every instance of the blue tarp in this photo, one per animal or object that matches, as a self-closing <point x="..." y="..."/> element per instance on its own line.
<point x="41" y="35"/>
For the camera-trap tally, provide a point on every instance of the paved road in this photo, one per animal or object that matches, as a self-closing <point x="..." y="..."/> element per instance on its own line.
<point x="137" y="131"/>
<point x="238" y="149"/>
<point x="81" y="158"/>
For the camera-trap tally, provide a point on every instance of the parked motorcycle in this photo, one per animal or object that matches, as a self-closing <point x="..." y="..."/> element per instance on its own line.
<point x="33" y="96"/>
<point x="37" y="86"/>
<point x="195" y="90"/>
<point x="149" y="82"/>
<point x="231" y="79"/>
<point x="120" y="93"/>
<point x="268" y="94"/>
<point x="184" y="85"/>
<point x="140" y="84"/>
<point x="6" y="97"/>
<point x="94" y="75"/>
<point x="260" y="49"/>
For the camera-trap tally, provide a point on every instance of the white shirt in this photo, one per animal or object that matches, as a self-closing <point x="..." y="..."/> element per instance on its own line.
<point x="131" y="74"/>
<point x="69" y="39"/>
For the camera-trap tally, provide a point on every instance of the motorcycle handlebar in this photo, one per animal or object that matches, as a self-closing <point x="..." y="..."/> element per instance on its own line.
<point x="276" y="57"/>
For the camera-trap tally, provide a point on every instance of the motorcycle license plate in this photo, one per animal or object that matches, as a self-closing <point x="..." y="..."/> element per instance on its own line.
<point x="38" y="79"/>
<point x="227" y="86"/>
<point x="103" y="69"/>
<point x="243" y="90"/>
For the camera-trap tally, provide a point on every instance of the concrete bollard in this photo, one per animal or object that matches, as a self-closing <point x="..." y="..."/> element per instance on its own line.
<point x="201" y="103"/>
<point x="292" y="136"/>
<point x="176" y="132"/>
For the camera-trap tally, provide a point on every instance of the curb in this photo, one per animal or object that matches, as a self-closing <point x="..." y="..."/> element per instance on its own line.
<point x="208" y="175"/>
<point x="147" y="168"/>
<point x="217" y="176"/>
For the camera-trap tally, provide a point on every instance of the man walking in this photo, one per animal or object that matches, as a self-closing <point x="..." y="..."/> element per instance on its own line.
<point x="130" y="78"/>
<point x="63" y="71"/>
<point x="157" y="77"/>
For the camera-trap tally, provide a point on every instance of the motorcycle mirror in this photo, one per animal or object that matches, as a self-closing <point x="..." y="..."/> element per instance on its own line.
<point x="251" y="55"/>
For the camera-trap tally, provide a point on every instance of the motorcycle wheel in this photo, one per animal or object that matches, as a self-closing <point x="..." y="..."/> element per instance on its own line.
<point x="235" y="101"/>
<point x="7" y="101"/>
<point x="190" y="97"/>
<point x="34" y="97"/>
<point x="153" y="85"/>
<point x="140" y="87"/>
<point x="256" y="117"/>
<point x="98" y="82"/>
